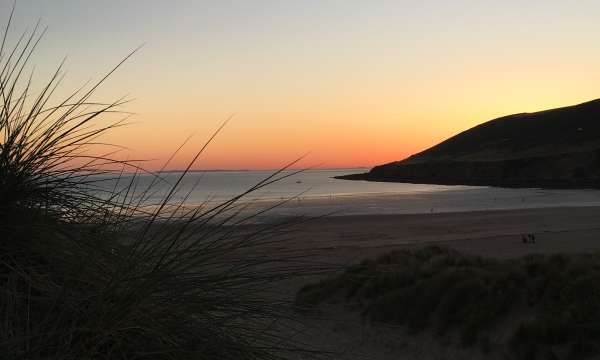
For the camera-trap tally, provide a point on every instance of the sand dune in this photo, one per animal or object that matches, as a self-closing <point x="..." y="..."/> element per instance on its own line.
<point x="341" y="240"/>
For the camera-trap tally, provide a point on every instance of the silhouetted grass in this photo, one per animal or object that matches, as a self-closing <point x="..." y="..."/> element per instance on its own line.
<point x="548" y="305"/>
<point x="88" y="272"/>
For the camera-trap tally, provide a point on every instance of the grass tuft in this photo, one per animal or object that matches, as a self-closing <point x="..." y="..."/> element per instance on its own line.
<point x="95" y="272"/>
<point x="548" y="305"/>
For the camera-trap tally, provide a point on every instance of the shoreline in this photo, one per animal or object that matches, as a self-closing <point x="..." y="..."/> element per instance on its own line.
<point x="457" y="200"/>
<point x="547" y="184"/>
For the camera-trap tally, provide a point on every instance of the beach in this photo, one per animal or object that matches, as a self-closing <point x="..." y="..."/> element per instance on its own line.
<point x="345" y="240"/>
<point x="487" y="233"/>
<point x="308" y="180"/>
<point x="332" y="224"/>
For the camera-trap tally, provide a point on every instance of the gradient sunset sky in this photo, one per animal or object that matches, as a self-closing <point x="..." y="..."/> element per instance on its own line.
<point x="356" y="83"/>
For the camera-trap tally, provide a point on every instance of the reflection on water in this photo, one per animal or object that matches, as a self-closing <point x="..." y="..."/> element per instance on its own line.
<point x="315" y="192"/>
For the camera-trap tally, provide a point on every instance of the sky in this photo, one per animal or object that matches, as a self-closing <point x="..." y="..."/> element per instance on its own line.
<point x="351" y="83"/>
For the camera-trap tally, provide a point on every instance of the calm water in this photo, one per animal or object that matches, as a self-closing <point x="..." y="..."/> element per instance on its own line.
<point x="316" y="192"/>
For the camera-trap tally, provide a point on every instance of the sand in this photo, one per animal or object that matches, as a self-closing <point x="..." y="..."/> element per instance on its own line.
<point x="349" y="239"/>
<point x="489" y="233"/>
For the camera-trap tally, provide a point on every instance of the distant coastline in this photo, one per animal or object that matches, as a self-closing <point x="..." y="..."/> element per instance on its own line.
<point x="257" y="170"/>
<point x="495" y="182"/>
<point x="200" y="170"/>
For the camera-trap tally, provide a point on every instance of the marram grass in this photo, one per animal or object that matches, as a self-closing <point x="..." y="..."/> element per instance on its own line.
<point x="90" y="273"/>
<point x="534" y="307"/>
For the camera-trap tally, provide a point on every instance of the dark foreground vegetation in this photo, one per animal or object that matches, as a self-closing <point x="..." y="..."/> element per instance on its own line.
<point x="535" y="307"/>
<point x="94" y="272"/>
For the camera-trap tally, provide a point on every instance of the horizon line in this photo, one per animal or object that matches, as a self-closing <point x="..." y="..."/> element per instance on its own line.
<point x="270" y="169"/>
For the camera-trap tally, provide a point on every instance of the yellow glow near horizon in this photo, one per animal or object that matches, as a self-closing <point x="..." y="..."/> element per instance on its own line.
<point x="353" y="83"/>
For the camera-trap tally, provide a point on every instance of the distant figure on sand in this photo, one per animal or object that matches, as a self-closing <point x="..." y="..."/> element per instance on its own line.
<point x="528" y="238"/>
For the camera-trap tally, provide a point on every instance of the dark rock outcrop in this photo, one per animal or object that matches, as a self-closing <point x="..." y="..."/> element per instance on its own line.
<point x="557" y="148"/>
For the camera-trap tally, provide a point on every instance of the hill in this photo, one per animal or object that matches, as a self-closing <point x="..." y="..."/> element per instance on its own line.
<point x="558" y="148"/>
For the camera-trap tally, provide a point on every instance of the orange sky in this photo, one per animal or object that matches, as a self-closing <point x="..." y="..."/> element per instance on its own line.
<point x="353" y="83"/>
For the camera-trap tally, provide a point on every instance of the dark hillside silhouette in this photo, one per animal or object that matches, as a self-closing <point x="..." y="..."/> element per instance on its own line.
<point x="557" y="148"/>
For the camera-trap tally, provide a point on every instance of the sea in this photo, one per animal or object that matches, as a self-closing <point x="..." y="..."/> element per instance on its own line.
<point x="317" y="192"/>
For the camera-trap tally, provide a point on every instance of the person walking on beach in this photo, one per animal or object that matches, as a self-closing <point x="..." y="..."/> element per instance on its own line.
<point x="528" y="238"/>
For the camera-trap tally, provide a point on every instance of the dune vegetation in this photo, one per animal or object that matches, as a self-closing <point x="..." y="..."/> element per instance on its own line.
<point x="535" y="307"/>
<point x="90" y="272"/>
